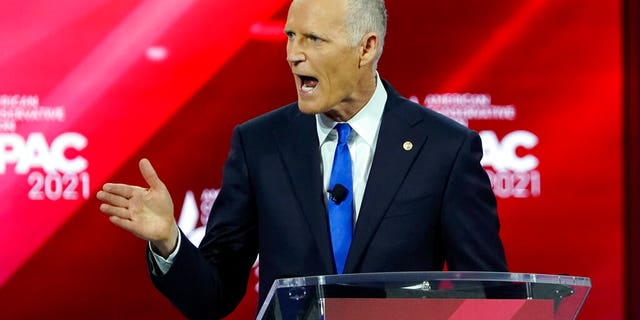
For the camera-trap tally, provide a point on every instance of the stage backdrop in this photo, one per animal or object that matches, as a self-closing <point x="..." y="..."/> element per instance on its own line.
<point x="87" y="88"/>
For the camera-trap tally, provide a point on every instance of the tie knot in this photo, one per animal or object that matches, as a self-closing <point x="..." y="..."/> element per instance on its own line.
<point x="343" y="132"/>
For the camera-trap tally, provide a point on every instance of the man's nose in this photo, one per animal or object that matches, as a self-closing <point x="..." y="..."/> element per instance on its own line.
<point x="295" y="54"/>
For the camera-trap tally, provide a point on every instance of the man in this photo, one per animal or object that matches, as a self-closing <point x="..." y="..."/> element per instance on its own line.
<point x="416" y="194"/>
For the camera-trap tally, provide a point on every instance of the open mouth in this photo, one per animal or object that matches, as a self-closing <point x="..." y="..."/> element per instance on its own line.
<point x="307" y="83"/>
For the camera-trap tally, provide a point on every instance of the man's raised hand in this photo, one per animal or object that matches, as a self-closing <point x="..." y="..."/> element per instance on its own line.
<point x="145" y="212"/>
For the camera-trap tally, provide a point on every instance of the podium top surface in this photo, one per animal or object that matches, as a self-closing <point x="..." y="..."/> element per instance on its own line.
<point x="562" y="295"/>
<point x="400" y="277"/>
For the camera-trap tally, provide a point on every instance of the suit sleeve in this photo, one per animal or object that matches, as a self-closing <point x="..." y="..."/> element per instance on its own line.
<point x="209" y="282"/>
<point x="470" y="219"/>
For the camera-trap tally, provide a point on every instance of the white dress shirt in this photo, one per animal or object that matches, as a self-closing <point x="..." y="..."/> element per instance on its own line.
<point x="365" y="126"/>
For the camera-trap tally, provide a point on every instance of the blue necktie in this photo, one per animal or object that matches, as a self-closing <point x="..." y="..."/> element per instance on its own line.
<point x="340" y="204"/>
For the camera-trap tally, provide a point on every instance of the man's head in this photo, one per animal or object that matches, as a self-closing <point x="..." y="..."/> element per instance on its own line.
<point x="333" y="48"/>
<point x="365" y="16"/>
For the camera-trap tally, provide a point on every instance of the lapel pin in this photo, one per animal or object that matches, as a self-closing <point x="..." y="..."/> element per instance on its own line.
<point x="407" y="145"/>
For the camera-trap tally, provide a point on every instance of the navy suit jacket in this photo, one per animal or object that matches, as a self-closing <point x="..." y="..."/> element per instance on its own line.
<point x="421" y="207"/>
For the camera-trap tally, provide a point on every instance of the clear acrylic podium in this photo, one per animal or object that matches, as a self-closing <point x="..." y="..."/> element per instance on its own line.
<point x="427" y="295"/>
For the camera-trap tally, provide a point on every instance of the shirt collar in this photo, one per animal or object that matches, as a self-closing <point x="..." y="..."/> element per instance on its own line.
<point x="365" y="123"/>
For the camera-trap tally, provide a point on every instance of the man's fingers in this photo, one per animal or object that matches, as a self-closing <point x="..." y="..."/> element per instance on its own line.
<point x="122" y="223"/>
<point x="114" y="211"/>
<point x="112" y="199"/>
<point x="149" y="174"/>
<point x="124" y="190"/>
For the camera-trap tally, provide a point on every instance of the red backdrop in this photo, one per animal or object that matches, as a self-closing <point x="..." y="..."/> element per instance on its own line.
<point x="89" y="87"/>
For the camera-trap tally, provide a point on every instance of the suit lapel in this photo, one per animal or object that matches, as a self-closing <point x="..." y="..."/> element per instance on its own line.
<point x="299" y="148"/>
<point x="390" y="164"/>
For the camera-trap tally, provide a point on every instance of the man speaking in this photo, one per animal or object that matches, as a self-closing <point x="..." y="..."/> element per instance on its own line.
<point x="350" y="178"/>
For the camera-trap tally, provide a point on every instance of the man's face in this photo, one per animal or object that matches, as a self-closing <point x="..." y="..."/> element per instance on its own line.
<point x="324" y="64"/>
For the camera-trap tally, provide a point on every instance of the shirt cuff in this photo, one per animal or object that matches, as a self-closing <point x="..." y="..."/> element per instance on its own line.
<point x="165" y="264"/>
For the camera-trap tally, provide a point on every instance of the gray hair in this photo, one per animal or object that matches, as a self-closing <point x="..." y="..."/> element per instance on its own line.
<point x="367" y="16"/>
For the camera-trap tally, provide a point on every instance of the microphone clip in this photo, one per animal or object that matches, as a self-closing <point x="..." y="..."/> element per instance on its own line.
<point x="338" y="193"/>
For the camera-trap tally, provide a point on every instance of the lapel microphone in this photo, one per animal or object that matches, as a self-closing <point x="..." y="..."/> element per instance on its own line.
<point x="338" y="194"/>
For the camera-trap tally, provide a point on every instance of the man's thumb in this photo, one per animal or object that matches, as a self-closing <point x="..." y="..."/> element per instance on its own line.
<point x="149" y="174"/>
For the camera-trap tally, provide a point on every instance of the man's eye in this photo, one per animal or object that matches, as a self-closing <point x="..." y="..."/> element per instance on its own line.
<point x="313" y="38"/>
<point x="290" y="35"/>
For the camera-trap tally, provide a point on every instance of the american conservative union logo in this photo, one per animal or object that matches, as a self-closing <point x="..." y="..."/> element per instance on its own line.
<point x="513" y="173"/>
<point x="53" y="164"/>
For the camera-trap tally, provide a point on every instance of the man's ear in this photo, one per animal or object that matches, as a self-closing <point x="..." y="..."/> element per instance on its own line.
<point x="369" y="46"/>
